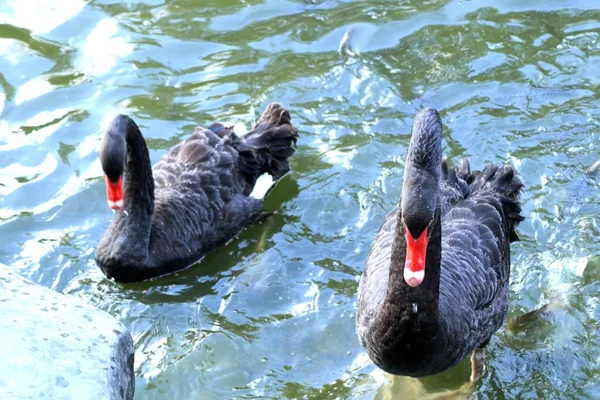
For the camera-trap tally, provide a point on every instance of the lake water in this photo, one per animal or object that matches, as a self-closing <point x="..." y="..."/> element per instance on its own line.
<point x="271" y="315"/>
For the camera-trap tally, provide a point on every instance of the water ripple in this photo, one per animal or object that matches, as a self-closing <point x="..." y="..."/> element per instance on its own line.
<point x="271" y="314"/>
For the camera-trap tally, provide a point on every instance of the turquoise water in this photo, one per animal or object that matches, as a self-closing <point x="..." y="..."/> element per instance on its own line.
<point x="271" y="315"/>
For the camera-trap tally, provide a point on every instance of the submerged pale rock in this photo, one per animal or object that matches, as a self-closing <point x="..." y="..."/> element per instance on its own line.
<point x="55" y="347"/>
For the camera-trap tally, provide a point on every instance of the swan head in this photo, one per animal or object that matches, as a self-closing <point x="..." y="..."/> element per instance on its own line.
<point x="420" y="192"/>
<point x="113" y="155"/>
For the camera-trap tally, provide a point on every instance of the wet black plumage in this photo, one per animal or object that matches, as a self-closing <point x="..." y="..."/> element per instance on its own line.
<point x="463" y="299"/>
<point x="194" y="199"/>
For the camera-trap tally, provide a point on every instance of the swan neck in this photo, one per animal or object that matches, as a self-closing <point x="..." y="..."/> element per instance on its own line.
<point x="139" y="182"/>
<point x="126" y="244"/>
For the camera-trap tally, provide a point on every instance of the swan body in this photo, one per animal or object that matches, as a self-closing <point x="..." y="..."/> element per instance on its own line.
<point x="196" y="198"/>
<point x="435" y="286"/>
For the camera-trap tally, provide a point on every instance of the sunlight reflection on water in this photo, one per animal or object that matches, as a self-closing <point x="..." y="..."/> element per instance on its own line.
<point x="271" y="313"/>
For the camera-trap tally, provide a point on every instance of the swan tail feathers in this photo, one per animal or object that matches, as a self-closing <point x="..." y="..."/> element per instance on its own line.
<point x="272" y="141"/>
<point x="502" y="181"/>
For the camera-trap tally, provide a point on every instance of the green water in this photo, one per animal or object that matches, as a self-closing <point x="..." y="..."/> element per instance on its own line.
<point x="271" y="315"/>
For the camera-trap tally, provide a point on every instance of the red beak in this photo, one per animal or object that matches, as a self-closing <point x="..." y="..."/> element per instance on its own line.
<point x="414" y="266"/>
<point x="114" y="193"/>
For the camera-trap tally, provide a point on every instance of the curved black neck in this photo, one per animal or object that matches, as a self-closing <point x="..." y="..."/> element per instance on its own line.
<point x="139" y="182"/>
<point x="126" y="243"/>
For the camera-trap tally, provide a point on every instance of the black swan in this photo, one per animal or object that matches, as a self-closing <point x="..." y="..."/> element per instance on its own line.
<point x="196" y="198"/>
<point x="435" y="284"/>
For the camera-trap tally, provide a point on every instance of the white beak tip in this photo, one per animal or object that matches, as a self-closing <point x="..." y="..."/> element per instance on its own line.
<point x="413" y="278"/>
<point x="116" y="205"/>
